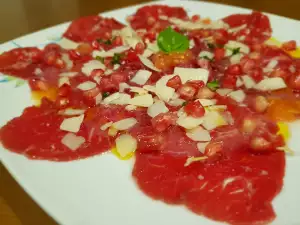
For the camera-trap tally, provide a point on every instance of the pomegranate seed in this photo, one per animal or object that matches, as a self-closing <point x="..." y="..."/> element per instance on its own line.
<point x="261" y="104"/>
<point x="73" y="54"/>
<point x="95" y="45"/>
<point x="194" y="109"/>
<point x="229" y="81"/>
<point x="195" y="18"/>
<point x="247" y="64"/>
<point x="118" y="40"/>
<point x="174" y="82"/>
<point x="234" y="69"/>
<point x="256" y="74"/>
<point x="289" y="46"/>
<point x="221" y="36"/>
<point x="162" y="121"/>
<point x="64" y="90"/>
<point x="219" y="53"/>
<point x="139" y="48"/>
<point x="187" y="92"/>
<point x="205" y="93"/>
<point x="60" y="64"/>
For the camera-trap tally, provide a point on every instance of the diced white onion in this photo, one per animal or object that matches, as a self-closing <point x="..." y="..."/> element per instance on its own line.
<point x="238" y="96"/>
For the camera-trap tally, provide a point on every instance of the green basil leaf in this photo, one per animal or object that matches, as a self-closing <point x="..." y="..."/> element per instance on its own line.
<point x="213" y="85"/>
<point x="116" y="59"/>
<point x="105" y="94"/>
<point x="235" y="51"/>
<point x="171" y="41"/>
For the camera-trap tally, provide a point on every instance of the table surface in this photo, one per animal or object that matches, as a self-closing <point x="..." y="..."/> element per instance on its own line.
<point x="26" y="16"/>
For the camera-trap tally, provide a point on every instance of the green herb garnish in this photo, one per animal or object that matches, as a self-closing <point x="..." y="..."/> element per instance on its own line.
<point x="211" y="46"/>
<point x="101" y="59"/>
<point x="171" y="41"/>
<point x="116" y="59"/>
<point x="105" y="94"/>
<point x="184" y="104"/>
<point x="235" y="51"/>
<point x="106" y="42"/>
<point x="213" y="85"/>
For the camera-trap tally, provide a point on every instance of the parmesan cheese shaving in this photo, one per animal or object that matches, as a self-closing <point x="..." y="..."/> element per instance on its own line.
<point x="148" y="63"/>
<point x="72" y="141"/>
<point x="72" y="124"/>
<point x="141" y="77"/>
<point x="157" y="108"/>
<point x="125" y="124"/>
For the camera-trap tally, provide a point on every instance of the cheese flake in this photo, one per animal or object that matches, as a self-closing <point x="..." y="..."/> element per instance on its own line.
<point x="87" y="85"/>
<point x="187" y="74"/>
<point x="72" y="124"/>
<point x="72" y="141"/>
<point x="141" y="77"/>
<point x="142" y="100"/>
<point x="157" y="108"/>
<point x="125" y="124"/>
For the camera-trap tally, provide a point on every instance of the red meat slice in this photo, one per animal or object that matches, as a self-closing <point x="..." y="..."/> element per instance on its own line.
<point x="257" y="23"/>
<point x="90" y="28"/>
<point x="140" y="19"/>
<point x="20" y="62"/>
<point x="238" y="190"/>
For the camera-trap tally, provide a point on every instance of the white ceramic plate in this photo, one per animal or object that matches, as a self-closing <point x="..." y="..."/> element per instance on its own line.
<point x="100" y="190"/>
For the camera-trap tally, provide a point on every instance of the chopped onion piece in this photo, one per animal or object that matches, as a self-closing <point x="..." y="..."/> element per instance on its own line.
<point x="72" y="141"/>
<point x="72" y="124"/>
<point x="198" y="134"/>
<point x="157" y="108"/>
<point x="126" y="144"/>
<point x="125" y="124"/>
